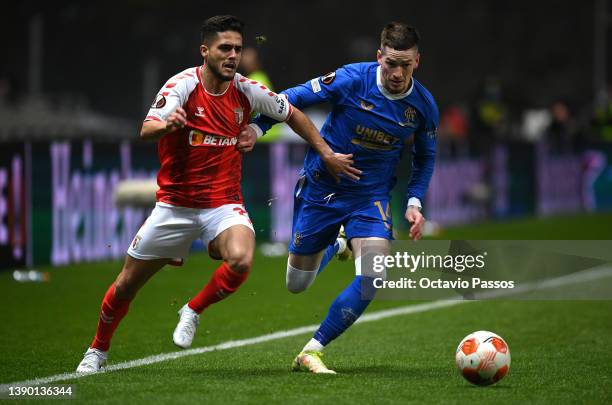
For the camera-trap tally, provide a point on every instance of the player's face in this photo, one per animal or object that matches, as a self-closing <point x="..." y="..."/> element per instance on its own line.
<point x="396" y="68"/>
<point x="222" y="55"/>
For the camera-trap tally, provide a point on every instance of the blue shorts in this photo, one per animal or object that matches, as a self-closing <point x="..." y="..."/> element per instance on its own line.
<point x="318" y="215"/>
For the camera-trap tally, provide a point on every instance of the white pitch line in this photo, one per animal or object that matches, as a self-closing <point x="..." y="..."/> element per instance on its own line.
<point x="586" y="275"/>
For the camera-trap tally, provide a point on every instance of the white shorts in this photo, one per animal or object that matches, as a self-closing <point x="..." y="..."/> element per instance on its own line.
<point x="170" y="230"/>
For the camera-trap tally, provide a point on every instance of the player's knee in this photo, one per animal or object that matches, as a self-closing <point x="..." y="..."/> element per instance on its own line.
<point x="126" y="285"/>
<point x="296" y="288"/>
<point x="240" y="263"/>
<point x="124" y="290"/>
<point x="299" y="280"/>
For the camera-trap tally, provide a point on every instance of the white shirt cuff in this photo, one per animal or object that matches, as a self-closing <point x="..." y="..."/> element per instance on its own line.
<point x="415" y="201"/>
<point x="257" y="130"/>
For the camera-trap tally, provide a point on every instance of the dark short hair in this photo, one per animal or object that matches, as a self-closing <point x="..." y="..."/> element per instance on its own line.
<point x="220" y="23"/>
<point x="399" y="36"/>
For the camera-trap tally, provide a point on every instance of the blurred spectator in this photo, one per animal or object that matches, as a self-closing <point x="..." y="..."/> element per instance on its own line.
<point x="491" y="112"/>
<point x="453" y="132"/>
<point x="603" y="119"/>
<point x="251" y="67"/>
<point x="562" y="132"/>
<point x="489" y="118"/>
<point x="535" y="122"/>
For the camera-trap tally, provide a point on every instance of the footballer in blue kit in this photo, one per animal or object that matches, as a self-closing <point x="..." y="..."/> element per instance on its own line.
<point x="377" y="107"/>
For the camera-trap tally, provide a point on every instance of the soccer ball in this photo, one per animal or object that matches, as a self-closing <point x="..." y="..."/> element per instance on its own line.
<point x="483" y="358"/>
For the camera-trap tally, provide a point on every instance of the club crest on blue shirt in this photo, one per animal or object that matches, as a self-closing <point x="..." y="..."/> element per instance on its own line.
<point x="328" y="78"/>
<point x="411" y="116"/>
<point x="238" y="115"/>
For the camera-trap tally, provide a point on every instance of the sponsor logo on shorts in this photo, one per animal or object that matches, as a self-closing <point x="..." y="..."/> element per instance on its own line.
<point x="242" y="211"/>
<point x="197" y="138"/>
<point x="297" y="239"/>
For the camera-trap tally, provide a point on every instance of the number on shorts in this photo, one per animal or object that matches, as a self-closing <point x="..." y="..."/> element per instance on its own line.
<point x="384" y="214"/>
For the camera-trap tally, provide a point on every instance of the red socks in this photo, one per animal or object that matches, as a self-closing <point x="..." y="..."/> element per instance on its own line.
<point x="223" y="283"/>
<point x="113" y="310"/>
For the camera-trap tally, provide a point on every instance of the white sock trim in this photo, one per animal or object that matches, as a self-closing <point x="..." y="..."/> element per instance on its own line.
<point x="313" y="345"/>
<point x="358" y="266"/>
<point x="299" y="280"/>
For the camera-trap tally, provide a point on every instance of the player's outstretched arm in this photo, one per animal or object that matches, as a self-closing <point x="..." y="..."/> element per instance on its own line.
<point x="338" y="164"/>
<point x="154" y="129"/>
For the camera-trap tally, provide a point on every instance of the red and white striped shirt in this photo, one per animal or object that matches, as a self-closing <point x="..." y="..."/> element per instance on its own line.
<point x="200" y="165"/>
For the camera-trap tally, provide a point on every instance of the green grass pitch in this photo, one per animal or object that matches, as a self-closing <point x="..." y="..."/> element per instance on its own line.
<point x="560" y="350"/>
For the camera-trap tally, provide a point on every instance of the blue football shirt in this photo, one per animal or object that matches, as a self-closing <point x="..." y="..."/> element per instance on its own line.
<point x="372" y="124"/>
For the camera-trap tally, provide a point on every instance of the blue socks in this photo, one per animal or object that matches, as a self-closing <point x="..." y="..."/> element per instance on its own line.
<point x="345" y="310"/>
<point x="330" y="252"/>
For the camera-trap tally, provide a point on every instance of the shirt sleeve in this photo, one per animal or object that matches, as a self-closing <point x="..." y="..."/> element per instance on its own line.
<point x="332" y="87"/>
<point x="264" y="100"/>
<point x="423" y="156"/>
<point x="172" y="95"/>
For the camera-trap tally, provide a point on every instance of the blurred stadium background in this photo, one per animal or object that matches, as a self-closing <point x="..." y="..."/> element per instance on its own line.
<point x="525" y="102"/>
<point x="525" y="152"/>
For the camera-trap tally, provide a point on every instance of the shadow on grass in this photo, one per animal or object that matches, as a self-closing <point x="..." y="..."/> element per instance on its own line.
<point x="395" y="371"/>
<point x="488" y="387"/>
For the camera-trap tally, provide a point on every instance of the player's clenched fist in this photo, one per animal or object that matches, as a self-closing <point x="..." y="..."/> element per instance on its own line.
<point x="176" y="119"/>
<point x="340" y="164"/>
<point x="246" y="139"/>
<point x="414" y="216"/>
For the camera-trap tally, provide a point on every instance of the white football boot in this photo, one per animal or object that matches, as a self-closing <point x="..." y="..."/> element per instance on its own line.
<point x="93" y="361"/>
<point x="310" y="360"/>
<point x="186" y="328"/>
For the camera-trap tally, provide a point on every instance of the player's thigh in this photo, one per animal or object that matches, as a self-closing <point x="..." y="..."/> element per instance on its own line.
<point x="229" y="235"/>
<point x="134" y="274"/>
<point x="375" y="245"/>
<point x="166" y="234"/>
<point x="365" y="250"/>
<point x="236" y="245"/>
<point x="306" y="262"/>
<point x="314" y="228"/>
<point x="372" y="219"/>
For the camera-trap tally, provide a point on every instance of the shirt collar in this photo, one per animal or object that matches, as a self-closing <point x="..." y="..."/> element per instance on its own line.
<point x="388" y="95"/>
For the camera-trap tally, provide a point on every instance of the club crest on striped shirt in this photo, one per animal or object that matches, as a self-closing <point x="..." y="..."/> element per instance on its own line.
<point x="238" y="115"/>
